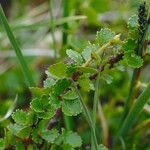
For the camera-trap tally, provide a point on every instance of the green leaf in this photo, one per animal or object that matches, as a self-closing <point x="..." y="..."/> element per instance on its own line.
<point x="49" y="113"/>
<point x="129" y="46"/>
<point x="134" y="61"/>
<point x="24" y="118"/>
<point x="31" y="118"/>
<point x="54" y="101"/>
<point x="60" y="86"/>
<point x="32" y="147"/>
<point x="49" y="82"/>
<point x="85" y="83"/>
<point x="104" y="36"/>
<point x="19" y="146"/>
<point x="86" y="69"/>
<point x="59" y="140"/>
<point x="71" y="68"/>
<point x="39" y="104"/>
<point x="77" y="43"/>
<point x="120" y="67"/>
<point x="42" y="107"/>
<point x="24" y="133"/>
<point x="87" y="52"/>
<point x="37" y="131"/>
<point x="75" y="56"/>
<point x="50" y="135"/>
<point x="72" y="107"/>
<point x="37" y="92"/>
<point x="9" y="138"/>
<point x="134" y="33"/>
<point x="58" y="70"/>
<point x="20" y="117"/>
<point x="19" y="130"/>
<point x="14" y="128"/>
<point x="70" y="95"/>
<point x="67" y="147"/>
<point x="54" y="147"/>
<point x="73" y="139"/>
<point x="133" y="22"/>
<point x="36" y="136"/>
<point x="102" y="147"/>
<point x="108" y="78"/>
<point x="2" y="144"/>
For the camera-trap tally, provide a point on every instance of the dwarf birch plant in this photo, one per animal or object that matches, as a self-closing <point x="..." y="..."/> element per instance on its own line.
<point x="63" y="90"/>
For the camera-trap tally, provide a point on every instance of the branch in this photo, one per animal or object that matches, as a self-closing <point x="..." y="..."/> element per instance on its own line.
<point x="54" y="120"/>
<point x="104" y="47"/>
<point x="111" y="62"/>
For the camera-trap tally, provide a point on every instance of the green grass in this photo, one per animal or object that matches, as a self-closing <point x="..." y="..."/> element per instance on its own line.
<point x="134" y="112"/>
<point x="17" y="49"/>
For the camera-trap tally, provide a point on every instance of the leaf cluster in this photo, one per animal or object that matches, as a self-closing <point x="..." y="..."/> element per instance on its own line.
<point x="58" y="93"/>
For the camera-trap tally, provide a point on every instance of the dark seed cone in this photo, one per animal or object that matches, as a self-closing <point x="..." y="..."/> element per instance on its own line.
<point x="142" y="18"/>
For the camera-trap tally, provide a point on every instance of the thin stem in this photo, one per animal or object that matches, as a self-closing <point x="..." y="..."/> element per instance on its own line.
<point x="100" y="112"/>
<point x="65" y="25"/>
<point x="96" y="95"/>
<point x="68" y="122"/>
<point x="52" y="27"/>
<point x="17" y="49"/>
<point x="103" y="124"/>
<point x="104" y="47"/>
<point x="87" y="115"/>
<point x="134" y="112"/>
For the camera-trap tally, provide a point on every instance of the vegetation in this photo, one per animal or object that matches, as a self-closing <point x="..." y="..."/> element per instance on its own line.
<point x="85" y="99"/>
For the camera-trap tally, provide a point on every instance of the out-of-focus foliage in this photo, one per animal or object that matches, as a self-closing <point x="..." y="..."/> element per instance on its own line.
<point x="30" y="24"/>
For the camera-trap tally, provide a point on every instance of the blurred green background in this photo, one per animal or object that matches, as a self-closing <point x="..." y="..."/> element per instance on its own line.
<point x="30" y="22"/>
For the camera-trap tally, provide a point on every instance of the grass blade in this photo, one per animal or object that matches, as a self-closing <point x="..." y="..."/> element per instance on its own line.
<point x="95" y="104"/>
<point x="30" y="24"/>
<point x="87" y="115"/>
<point x="65" y="25"/>
<point x="134" y="112"/>
<point x="52" y="27"/>
<point x="67" y="120"/>
<point x="10" y="110"/>
<point x="14" y="44"/>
